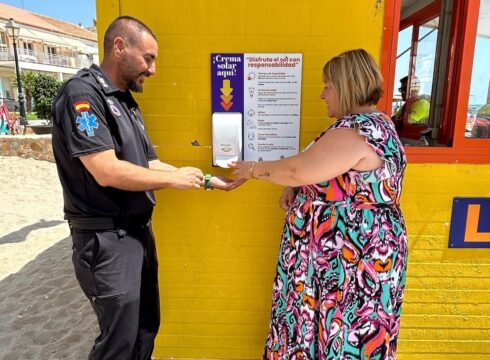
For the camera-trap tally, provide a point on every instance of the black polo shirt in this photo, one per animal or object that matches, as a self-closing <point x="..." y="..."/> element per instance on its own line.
<point x="91" y="115"/>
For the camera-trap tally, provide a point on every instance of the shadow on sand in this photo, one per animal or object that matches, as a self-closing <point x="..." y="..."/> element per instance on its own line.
<point x="43" y="312"/>
<point x="21" y="234"/>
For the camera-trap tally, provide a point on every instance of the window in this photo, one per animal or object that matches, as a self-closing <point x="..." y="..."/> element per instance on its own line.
<point x="51" y="55"/>
<point x="437" y="77"/>
<point x="3" y="39"/>
<point x="478" y="120"/>
<point x="414" y="72"/>
<point x="51" y="50"/>
<point x="5" y="85"/>
<point x="28" y="48"/>
<point x="3" y="46"/>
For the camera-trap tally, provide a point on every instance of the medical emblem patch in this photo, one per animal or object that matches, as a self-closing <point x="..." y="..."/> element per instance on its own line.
<point x="87" y="122"/>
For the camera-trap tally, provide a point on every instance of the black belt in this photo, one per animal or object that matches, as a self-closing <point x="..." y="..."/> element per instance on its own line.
<point x="107" y="223"/>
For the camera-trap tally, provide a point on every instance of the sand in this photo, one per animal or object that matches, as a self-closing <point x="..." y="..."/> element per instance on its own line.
<point x="43" y="312"/>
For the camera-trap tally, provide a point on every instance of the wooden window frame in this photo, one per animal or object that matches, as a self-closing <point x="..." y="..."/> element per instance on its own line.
<point x="460" y="63"/>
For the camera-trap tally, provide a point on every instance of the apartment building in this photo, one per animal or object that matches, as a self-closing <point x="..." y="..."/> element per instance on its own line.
<point x="45" y="45"/>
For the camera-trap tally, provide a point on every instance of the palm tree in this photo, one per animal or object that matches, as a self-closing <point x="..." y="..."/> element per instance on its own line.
<point x="28" y="79"/>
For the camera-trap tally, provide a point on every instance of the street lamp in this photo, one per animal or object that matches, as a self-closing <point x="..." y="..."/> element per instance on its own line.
<point x="13" y="32"/>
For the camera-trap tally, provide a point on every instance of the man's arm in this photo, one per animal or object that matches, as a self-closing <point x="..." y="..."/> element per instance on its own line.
<point x="217" y="181"/>
<point x="158" y="165"/>
<point x="108" y="170"/>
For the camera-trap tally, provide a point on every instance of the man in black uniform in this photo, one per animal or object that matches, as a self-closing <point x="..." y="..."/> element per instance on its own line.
<point x="108" y="169"/>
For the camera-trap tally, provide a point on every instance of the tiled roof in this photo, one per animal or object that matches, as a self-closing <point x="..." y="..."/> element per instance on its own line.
<point x="43" y="22"/>
<point x="71" y="29"/>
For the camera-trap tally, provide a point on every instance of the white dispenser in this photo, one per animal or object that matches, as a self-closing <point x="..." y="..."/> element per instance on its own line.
<point x="227" y="138"/>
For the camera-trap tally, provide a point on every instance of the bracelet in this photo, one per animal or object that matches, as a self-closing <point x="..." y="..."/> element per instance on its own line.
<point x="251" y="170"/>
<point x="207" y="182"/>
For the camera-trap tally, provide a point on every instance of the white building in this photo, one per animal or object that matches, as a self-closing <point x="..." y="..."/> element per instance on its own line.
<point x="45" y="45"/>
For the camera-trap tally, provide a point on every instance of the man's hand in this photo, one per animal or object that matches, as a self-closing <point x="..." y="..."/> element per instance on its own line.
<point x="187" y="178"/>
<point x="287" y="198"/>
<point x="223" y="183"/>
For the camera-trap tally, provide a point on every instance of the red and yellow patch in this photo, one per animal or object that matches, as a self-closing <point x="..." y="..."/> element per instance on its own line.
<point x="82" y="106"/>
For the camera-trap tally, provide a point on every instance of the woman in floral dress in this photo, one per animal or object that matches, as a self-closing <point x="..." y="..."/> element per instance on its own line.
<point x="340" y="277"/>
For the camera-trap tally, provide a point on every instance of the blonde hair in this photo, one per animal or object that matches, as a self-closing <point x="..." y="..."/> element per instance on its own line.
<point x="356" y="79"/>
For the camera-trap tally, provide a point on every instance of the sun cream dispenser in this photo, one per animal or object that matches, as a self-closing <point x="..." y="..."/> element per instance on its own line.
<point x="227" y="138"/>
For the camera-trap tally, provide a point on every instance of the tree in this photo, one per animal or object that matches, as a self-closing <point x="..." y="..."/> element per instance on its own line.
<point x="27" y="79"/>
<point x="45" y="90"/>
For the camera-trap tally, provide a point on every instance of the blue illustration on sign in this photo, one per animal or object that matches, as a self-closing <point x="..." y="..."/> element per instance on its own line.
<point x="87" y="122"/>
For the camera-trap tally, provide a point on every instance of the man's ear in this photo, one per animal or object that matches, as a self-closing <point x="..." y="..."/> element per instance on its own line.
<point x="119" y="45"/>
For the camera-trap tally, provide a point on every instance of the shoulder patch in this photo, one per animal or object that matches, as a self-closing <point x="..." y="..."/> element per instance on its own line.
<point x="87" y="123"/>
<point x="115" y="110"/>
<point x="82" y="106"/>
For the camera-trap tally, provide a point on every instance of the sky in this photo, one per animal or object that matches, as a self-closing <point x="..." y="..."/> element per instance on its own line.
<point x="73" y="11"/>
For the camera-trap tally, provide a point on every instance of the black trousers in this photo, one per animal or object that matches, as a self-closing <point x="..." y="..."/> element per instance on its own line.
<point x="118" y="271"/>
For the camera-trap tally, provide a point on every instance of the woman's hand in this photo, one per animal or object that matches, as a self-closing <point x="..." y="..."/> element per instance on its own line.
<point x="287" y="198"/>
<point x="243" y="169"/>
<point x="223" y="183"/>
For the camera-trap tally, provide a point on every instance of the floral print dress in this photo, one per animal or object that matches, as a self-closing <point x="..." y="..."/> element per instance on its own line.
<point x="340" y="276"/>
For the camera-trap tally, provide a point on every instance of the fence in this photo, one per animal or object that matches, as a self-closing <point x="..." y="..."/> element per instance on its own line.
<point x="38" y="57"/>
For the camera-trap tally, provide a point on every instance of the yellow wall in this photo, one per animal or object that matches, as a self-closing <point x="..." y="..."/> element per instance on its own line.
<point x="446" y="313"/>
<point x="218" y="250"/>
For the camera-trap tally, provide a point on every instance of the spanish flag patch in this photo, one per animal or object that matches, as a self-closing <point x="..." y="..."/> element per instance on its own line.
<point x="82" y="106"/>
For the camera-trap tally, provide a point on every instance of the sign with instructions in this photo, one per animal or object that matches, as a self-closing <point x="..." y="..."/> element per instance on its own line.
<point x="266" y="89"/>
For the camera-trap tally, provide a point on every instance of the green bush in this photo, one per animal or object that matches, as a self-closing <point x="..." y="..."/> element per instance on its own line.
<point x="27" y="79"/>
<point x="45" y="90"/>
<point x="31" y="116"/>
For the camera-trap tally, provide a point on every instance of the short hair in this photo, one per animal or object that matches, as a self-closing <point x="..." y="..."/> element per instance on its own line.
<point x="414" y="80"/>
<point x="127" y="27"/>
<point x="356" y="79"/>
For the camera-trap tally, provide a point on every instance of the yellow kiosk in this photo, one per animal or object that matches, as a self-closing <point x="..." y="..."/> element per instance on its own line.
<point x="217" y="251"/>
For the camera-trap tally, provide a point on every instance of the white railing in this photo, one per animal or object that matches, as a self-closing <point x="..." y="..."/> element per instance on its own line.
<point x="4" y="54"/>
<point x="77" y="61"/>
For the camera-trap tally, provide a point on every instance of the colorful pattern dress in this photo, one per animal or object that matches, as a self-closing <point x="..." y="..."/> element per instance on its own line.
<point x="340" y="276"/>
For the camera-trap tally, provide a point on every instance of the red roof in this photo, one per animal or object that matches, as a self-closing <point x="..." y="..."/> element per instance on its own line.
<point x="43" y="22"/>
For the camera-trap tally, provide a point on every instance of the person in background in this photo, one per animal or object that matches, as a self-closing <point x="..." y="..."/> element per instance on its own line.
<point x="108" y="170"/>
<point x="3" y="118"/>
<point x="340" y="277"/>
<point x="481" y="125"/>
<point x="415" y="109"/>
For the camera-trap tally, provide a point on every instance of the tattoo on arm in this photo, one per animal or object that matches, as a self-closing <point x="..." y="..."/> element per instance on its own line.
<point x="265" y="174"/>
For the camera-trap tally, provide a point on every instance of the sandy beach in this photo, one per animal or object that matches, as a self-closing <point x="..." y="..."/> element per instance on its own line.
<point x="43" y="313"/>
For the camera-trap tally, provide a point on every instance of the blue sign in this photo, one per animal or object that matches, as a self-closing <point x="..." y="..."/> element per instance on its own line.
<point x="470" y="223"/>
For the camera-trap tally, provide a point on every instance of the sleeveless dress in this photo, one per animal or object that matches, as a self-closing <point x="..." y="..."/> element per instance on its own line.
<point x="340" y="277"/>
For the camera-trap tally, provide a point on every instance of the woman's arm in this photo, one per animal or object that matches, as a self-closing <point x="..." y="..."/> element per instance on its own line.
<point x="335" y="153"/>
